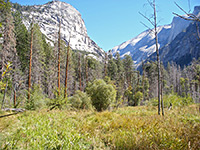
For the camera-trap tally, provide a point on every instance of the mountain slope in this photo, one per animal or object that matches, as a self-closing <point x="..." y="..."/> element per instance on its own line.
<point x="72" y="25"/>
<point x="142" y="46"/>
<point x="183" y="49"/>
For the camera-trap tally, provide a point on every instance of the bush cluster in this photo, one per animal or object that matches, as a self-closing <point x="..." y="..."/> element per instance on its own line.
<point x="102" y="94"/>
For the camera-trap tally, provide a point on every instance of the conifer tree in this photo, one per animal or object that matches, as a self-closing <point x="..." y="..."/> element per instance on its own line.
<point x="22" y="40"/>
<point x="49" y="67"/>
<point x="9" y="41"/>
<point x="120" y="67"/>
<point x="59" y="51"/>
<point x="105" y="65"/>
<point x="67" y="66"/>
<point x="79" y="72"/>
<point x="86" y="69"/>
<point x="112" y="68"/>
<point x="39" y="55"/>
<point x="30" y="63"/>
<point x="9" y="52"/>
<point x="128" y="67"/>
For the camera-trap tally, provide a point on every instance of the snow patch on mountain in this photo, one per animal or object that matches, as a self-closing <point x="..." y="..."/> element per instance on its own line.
<point x="143" y="45"/>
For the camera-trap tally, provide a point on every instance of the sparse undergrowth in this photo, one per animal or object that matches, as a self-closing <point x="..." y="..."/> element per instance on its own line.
<point x="125" y="128"/>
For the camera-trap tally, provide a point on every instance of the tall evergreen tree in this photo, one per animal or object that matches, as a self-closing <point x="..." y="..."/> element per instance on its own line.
<point x="9" y="52"/>
<point x="112" y="69"/>
<point x="30" y="63"/>
<point x="79" y="72"/>
<point x="9" y="41"/>
<point x="22" y="40"/>
<point x="59" y="51"/>
<point x="105" y="64"/>
<point x="120" y="67"/>
<point x="67" y="68"/>
<point x="128" y="67"/>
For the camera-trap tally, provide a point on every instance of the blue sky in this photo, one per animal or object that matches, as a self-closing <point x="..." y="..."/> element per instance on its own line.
<point x="111" y="22"/>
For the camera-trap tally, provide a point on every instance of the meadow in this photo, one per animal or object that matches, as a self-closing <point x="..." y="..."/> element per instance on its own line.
<point x="123" y="128"/>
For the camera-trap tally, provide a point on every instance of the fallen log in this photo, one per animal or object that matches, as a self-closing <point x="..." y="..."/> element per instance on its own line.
<point x="9" y="115"/>
<point x="15" y="110"/>
<point x="53" y="107"/>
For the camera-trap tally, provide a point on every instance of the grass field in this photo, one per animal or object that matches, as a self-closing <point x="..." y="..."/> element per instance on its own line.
<point x="124" y="128"/>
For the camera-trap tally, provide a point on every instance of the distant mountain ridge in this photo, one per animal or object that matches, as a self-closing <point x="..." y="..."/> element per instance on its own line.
<point x="72" y="25"/>
<point x="143" y="46"/>
<point x="183" y="49"/>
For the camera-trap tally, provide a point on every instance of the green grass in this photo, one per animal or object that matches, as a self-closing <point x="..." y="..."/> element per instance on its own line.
<point x="124" y="128"/>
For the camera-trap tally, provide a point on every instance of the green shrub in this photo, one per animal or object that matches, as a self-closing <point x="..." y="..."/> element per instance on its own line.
<point x="138" y="98"/>
<point x="102" y="94"/>
<point x="174" y="99"/>
<point x="80" y="100"/>
<point x="37" y="100"/>
<point x="59" y="102"/>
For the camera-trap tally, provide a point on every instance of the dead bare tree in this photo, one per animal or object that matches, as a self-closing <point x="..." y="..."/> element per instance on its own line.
<point x="79" y="70"/>
<point x="86" y="69"/>
<point x="59" y="51"/>
<point x="67" y="66"/>
<point x="153" y="22"/>
<point x="30" y="63"/>
<point x="189" y="17"/>
<point x="105" y="65"/>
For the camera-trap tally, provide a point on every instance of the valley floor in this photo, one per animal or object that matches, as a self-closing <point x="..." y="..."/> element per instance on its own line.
<point x="124" y="128"/>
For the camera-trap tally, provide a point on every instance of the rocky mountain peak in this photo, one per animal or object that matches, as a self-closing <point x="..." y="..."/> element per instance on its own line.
<point x="143" y="45"/>
<point x="73" y="27"/>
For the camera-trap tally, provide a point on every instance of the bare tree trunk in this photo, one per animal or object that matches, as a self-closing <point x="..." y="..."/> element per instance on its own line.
<point x="30" y="65"/>
<point x="157" y="52"/>
<point x="59" y="41"/>
<point x="1" y="66"/>
<point x="138" y="79"/>
<point x="143" y="75"/>
<point x="86" y="70"/>
<point x="162" y="103"/>
<point x="105" y="65"/>
<point x="79" y="68"/>
<point x="4" y="96"/>
<point x="15" y="97"/>
<point x="74" y="90"/>
<point x="66" y="73"/>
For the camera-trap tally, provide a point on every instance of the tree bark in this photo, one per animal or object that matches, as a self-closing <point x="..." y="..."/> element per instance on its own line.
<point x="15" y="98"/>
<point x="162" y="103"/>
<point x="66" y="72"/>
<point x="86" y="70"/>
<point x="4" y="96"/>
<point x="105" y="65"/>
<point x="30" y="64"/>
<point x="79" y="68"/>
<point x="59" y="49"/>
<point x="143" y="75"/>
<point x="157" y="52"/>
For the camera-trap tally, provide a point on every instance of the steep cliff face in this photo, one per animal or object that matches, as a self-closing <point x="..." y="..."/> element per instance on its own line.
<point x="72" y="25"/>
<point x="143" y="46"/>
<point x="183" y="49"/>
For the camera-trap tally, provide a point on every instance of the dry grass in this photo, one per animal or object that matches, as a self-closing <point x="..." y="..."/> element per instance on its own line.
<point x="125" y="128"/>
